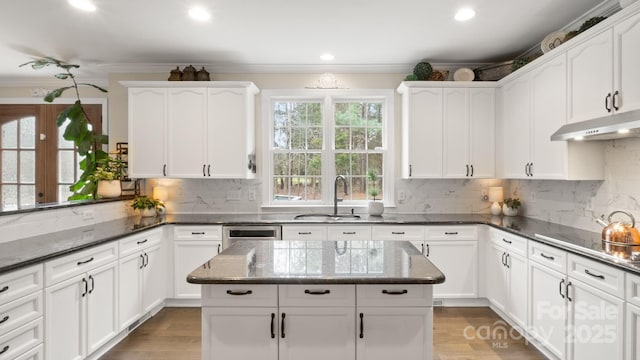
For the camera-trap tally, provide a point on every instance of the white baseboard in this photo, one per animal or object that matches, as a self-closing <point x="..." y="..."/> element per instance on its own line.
<point x="183" y="303"/>
<point x="461" y="302"/>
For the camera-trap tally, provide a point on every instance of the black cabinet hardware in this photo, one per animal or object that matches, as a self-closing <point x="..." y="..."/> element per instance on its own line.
<point x="451" y="233"/>
<point x="428" y="251"/>
<point x="282" y="325"/>
<point x="141" y="262"/>
<point x="467" y="170"/>
<point x="197" y="233"/>
<point x="5" y="319"/>
<point x="471" y="166"/>
<point x="93" y="283"/>
<point x="560" y="288"/>
<point x="85" y="261"/>
<point x="504" y="261"/>
<point x="361" y="325"/>
<point x="142" y="242"/>
<point x="422" y="251"/>
<point x="507" y="262"/>
<point x="348" y="233"/>
<point x="317" y="292"/>
<point x="247" y="292"/>
<point x="397" y="233"/>
<point x="606" y="102"/>
<point x="273" y="323"/>
<point x="208" y="170"/>
<point x="4" y="289"/>
<point x="86" y="287"/>
<point x="410" y="170"/>
<point x="615" y="103"/>
<point x="526" y="169"/>
<point x="566" y="291"/>
<point x="204" y="168"/>
<point x="304" y="232"/>
<point x="547" y="256"/>
<point x="531" y="169"/>
<point x="146" y="259"/>
<point x="507" y="241"/>
<point x="164" y="170"/>
<point x="394" y="292"/>
<point x="219" y="248"/>
<point x="594" y="275"/>
<point x="4" y="350"/>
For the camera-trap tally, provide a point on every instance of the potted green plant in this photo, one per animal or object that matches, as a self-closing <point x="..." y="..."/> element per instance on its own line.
<point x="146" y="205"/>
<point x="375" y="208"/>
<point x="107" y="175"/>
<point x="510" y="206"/>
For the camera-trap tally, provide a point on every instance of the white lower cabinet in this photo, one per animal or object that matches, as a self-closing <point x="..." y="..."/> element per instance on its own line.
<point x="458" y="260"/>
<point x="192" y="247"/>
<point x="633" y="332"/>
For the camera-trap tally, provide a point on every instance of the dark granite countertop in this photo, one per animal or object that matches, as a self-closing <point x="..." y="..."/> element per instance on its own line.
<point x="24" y="252"/>
<point x="318" y="262"/>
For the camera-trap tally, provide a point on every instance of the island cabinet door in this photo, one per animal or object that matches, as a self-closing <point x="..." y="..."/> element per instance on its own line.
<point x="240" y="333"/>
<point x="316" y="333"/>
<point x="384" y="333"/>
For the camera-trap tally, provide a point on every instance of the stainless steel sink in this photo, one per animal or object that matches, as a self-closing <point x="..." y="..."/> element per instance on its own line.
<point x="326" y="217"/>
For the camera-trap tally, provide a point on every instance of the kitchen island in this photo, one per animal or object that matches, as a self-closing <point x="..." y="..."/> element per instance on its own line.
<point x="317" y="300"/>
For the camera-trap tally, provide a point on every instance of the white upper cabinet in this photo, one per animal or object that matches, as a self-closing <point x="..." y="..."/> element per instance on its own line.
<point x="516" y="128"/>
<point x="448" y="131"/>
<point x="603" y="72"/>
<point x="206" y="130"/>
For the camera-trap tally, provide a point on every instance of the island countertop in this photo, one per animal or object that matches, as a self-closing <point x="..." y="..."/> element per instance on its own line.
<point x="318" y="262"/>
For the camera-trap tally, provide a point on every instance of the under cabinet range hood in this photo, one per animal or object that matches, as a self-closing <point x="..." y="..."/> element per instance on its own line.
<point x="617" y="126"/>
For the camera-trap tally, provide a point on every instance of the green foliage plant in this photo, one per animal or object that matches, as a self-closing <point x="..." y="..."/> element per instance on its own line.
<point x="145" y="202"/>
<point x="86" y="141"/>
<point x="372" y="176"/>
<point x="513" y="203"/>
<point x="107" y="169"/>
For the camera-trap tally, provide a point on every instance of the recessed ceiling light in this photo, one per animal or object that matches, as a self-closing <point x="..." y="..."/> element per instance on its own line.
<point x="578" y="138"/>
<point x="623" y="131"/>
<point x="200" y="14"/>
<point x="465" y="14"/>
<point x="327" y="57"/>
<point x="85" y="5"/>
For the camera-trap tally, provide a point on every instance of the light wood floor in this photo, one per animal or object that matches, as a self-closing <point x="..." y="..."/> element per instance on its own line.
<point x="459" y="333"/>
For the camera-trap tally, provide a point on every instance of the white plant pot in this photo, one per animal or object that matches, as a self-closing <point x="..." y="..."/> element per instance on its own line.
<point x="376" y="208"/>
<point x="508" y="211"/>
<point x="147" y="212"/>
<point x="109" y="189"/>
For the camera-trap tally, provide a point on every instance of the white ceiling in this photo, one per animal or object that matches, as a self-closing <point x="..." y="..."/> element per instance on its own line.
<point x="275" y="35"/>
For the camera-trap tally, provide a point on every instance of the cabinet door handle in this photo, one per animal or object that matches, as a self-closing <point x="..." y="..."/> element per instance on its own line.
<point x="467" y="169"/>
<point x="239" y="293"/>
<point x="471" y="166"/>
<point x="141" y="262"/>
<point x="394" y="292"/>
<point x="507" y="241"/>
<point x="397" y="233"/>
<point x="567" y="291"/>
<point x="422" y="250"/>
<point x="526" y="169"/>
<point x="361" y="325"/>
<point x="601" y="277"/>
<point x="560" y="288"/>
<point x="428" y="251"/>
<point x="615" y="103"/>
<point x="317" y="292"/>
<point x="146" y="259"/>
<point x="410" y="170"/>
<point x="164" y="170"/>
<point x="204" y="168"/>
<point x="4" y="350"/>
<point x="451" y="233"/>
<point x="4" y="289"/>
<point x="606" y="102"/>
<point x="282" y="325"/>
<point x="209" y="170"/>
<point x="531" y="169"/>
<point x="5" y="319"/>
<point x="547" y="256"/>
<point x="219" y="248"/>
<point x="273" y="323"/>
<point x="507" y="262"/>
<point x="142" y="242"/>
<point x="348" y="233"/>
<point x="304" y="232"/>
<point x="85" y="261"/>
<point x="504" y="262"/>
<point x="86" y="287"/>
<point x="93" y="283"/>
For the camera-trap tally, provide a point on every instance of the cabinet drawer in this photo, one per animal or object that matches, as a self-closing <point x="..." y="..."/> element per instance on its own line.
<point x="240" y="295"/>
<point x="549" y="256"/>
<point x="304" y="233"/>
<point x="394" y="295"/>
<point x="633" y="289"/>
<point x="317" y="295"/>
<point x="21" y="339"/>
<point x="36" y="353"/>
<point x="349" y="233"/>
<point x="21" y="282"/>
<point x="134" y="243"/>
<point x="77" y="263"/>
<point x="393" y="232"/>
<point x="197" y="233"/>
<point x="19" y="312"/>
<point x="598" y="275"/>
<point x="451" y="233"/>
<point x="510" y="242"/>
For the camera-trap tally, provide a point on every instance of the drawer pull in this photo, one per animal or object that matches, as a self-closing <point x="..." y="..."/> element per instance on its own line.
<point x="601" y="277"/>
<point x="507" y="241"/>
<point x="85" y="261"/>
<point x="273" y="321"/>
<point x="348" y="233"/>
<point x="282" y="326"/>
<point x="4" y="320"/>
<point x="4" y="350"/>
<point x="451" y="233"/>
<point x="4" y="289"/>
<point x="397" y="233"/>
<point x="247" y="292"/>
<point x="317" y="292"/>
<point x="394" y="292"/>
<point x="197" y="233"/>
<point x="304" y="233"/>
<point x="361" y="325"/>
<point x="142" y="242"/>
<point x="547" y="256"/>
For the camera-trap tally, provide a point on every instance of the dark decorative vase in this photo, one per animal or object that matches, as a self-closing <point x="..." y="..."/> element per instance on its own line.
<point x="189" y="73"/>
<point x="202" y="75"/>
<point x="176" y="74"/>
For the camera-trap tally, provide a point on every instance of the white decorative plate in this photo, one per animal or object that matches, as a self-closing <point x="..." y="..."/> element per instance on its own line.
<point x="464" y="74"/>
<point x="552" y="41"/>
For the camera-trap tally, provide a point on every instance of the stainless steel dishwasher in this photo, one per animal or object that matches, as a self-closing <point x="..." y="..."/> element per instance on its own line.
<point x="233" y="233"/>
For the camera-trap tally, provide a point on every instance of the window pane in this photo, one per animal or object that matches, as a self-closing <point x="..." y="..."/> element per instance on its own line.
<point x="66" y="166"/>
<point x="298" y="164"/>
<point x="64" y="192"/>
<point x="314" y="188"/>
<point x="298" y="138"/>
<point x="10" y="135"/>
<point x="358" y="165"/>
<point x="281" y="164"/>
<point x="342" y="114"/>
<point x="374" y="139"/>
<point x="342" y="138"/>
<point x="62" y="143"/>
<point x="358" y="138"/>
<point x="27" y="195"/>
<point x="358" y="188"/>
<point x="343" y="163"/>
<point x="314" y="138"/>
<point x="314" y="164"/>
<point x="28" y="133"/>
<point x="28" y="166"/>
<point x="10" y="166"/>
<point x="9" y="197"/>
<point x="281" y="138"/>
<point x="281" y="188"/>
<point x="374" y="162"/>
